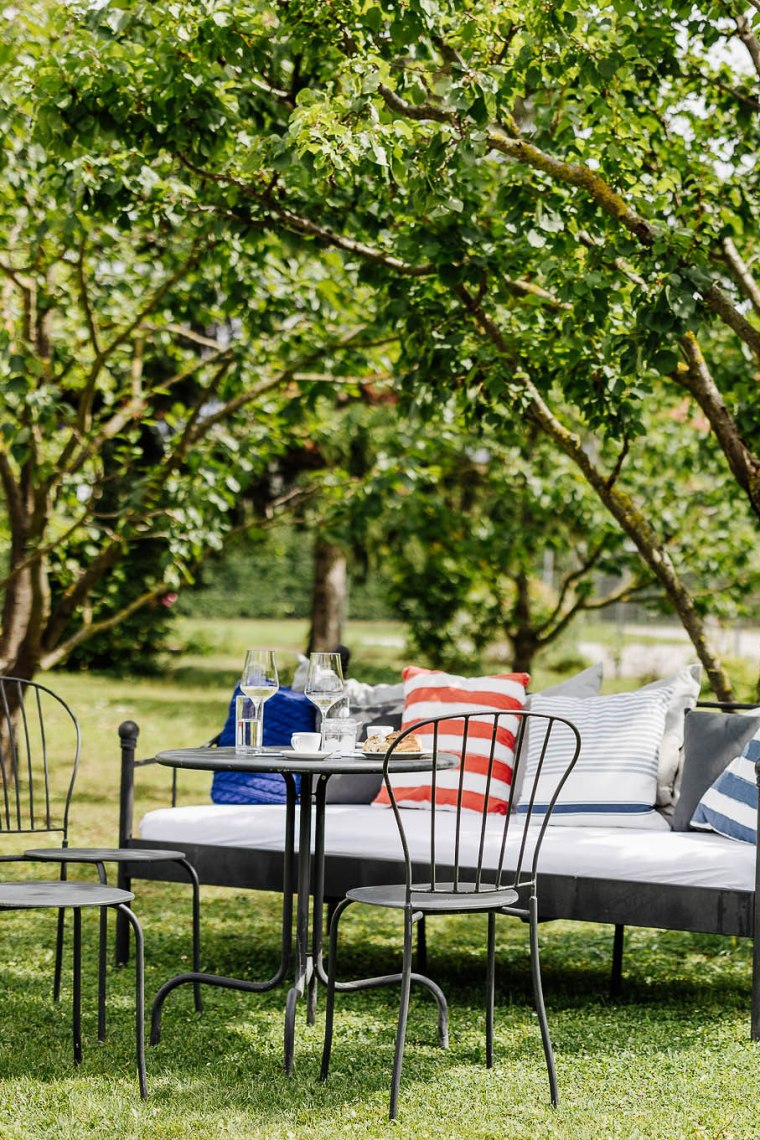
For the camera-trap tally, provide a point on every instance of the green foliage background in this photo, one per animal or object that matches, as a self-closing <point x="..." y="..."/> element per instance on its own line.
<point x="273" y="579"/>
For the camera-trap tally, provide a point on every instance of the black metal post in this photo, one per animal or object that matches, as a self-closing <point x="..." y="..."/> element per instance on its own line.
<point x="128" y="734"/>
<point x="616" y="975"/>
<point x="318" y="891"/>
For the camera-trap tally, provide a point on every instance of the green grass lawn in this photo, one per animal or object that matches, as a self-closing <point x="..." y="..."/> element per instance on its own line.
<point x="672" y="1058"/>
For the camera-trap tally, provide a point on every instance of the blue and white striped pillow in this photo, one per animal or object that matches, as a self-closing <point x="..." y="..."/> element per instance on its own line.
<point x="614" y="782"/>
<point x="729" y="806"/>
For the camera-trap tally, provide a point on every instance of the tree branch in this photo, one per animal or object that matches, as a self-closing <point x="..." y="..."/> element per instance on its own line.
<point x="717" y="300"/>
<point x="741" y="273"/>
<point x="734" y="92"/>
<point x="104" y="561"/>
<point x="84" y="299"/>
<point x="59" y="654"/>
<point x="148" y="307"/>
<point x="283" y="377"/>
<point x="368" y="253"/>
<point x="42" y="551"/>
<point x="697" y="379"/>
<point x="576" y="174"/>
<point x="130" y="411"/>
<point x="749" y="39"/>
<point x="619" y="263"/>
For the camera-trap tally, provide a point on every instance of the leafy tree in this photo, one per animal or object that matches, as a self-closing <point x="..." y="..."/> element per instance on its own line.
<point x="148" y="374"/>
<point x="554" y="207"/>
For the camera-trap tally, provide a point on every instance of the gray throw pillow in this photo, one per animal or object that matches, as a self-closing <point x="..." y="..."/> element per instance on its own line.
<point x="588" y="683"/>
<point x="711" y="741"/>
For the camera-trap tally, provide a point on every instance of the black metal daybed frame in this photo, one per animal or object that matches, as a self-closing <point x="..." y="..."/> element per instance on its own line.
<point x="578" y="898"/>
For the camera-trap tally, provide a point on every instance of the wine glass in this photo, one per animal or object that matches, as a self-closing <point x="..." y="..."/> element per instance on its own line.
<point x="259" y="681"/>
<point x="324" y="683"/>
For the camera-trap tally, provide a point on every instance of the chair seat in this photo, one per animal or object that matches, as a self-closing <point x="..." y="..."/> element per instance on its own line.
<point x="34" y="893"/>
<point x="103" y="854"/>
<point x="444" y="900"/>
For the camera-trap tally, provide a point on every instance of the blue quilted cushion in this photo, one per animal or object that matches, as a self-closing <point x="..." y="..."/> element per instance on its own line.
<point x="284" y="713"/>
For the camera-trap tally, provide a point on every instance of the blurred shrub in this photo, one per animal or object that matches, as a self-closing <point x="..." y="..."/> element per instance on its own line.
<point x="271" y="578"/>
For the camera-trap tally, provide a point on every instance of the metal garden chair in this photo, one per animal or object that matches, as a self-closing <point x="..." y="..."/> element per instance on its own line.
<point x="464" y="865"/>
<point x="31" y="894"/>
<point x="40" y="744"/>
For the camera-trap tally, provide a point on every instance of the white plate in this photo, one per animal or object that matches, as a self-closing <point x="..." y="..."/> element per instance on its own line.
<point x="358" y="754"/>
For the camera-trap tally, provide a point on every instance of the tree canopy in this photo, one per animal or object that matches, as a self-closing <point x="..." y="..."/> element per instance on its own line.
<point x="552" y="207"/>
<point x="146" y="371"/>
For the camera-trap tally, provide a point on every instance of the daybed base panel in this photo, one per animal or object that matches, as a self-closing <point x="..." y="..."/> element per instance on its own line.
<point x="697" y="909"/>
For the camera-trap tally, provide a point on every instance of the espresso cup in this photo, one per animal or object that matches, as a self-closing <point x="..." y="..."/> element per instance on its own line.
<point x="305" y="741"/>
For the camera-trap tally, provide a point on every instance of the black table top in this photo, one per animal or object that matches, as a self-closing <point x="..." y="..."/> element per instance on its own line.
<point x="209" y="759"/>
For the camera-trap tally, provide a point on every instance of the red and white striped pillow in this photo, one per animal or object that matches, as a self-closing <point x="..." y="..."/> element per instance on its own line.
<point x="429" y="693"/>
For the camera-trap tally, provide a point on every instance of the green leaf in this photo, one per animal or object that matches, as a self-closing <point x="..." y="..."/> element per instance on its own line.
<point x="666" y="361"/>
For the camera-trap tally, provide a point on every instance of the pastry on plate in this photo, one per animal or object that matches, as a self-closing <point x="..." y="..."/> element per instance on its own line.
<point x="375" y="744"/>
<point x="410" y="743"/>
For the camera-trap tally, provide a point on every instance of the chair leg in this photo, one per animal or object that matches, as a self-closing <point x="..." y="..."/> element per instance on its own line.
<point x="403" y="1012"/>
<point x="102" y="954"/>
<point x="490" y="987"/>
<point x="77" y="998"/>
<point x="332" y="967"/>
<point x="58" y="967"/>
<point x="124" y="882"/>
<point x="538" y="995"/>
<point x="131" y="918"/>
<point x="195" y="883"/>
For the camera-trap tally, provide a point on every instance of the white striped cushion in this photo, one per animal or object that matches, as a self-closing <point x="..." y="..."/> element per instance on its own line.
<point x="729" y="806"/>
<point x="614" y="782"/>
<point x="429" y="693"/>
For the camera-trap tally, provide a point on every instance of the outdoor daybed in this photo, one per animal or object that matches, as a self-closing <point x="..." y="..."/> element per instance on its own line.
<point x="659" y="873"/>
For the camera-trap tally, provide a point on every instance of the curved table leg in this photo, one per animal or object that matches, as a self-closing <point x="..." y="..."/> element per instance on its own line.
<point x="196" y="978"/>
<point x="196" y="888"/>
<point x="318" y="894"/>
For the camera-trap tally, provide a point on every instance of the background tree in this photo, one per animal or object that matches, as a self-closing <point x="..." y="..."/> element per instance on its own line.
<point x="488" y="543"/>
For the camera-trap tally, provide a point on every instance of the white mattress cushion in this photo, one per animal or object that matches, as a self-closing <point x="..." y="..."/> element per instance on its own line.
<point x="365" y="831"/>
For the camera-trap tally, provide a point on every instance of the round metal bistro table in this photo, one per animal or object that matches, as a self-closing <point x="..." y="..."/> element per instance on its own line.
<point x="315" y="769"/>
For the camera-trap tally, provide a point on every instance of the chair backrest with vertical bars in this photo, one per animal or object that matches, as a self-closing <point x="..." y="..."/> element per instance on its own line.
<point x="467" y="850"/>
<point x="39" y="755"/>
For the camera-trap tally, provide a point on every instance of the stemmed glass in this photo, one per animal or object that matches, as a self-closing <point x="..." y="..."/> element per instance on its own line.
<point x="259" y="681"/>
<point x="324" y="684"/>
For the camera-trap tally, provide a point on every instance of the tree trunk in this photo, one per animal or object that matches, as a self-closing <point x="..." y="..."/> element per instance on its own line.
<point x="26" y="594"/>
<point x="328" y="600"/>
<point x="524" y="638"/>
